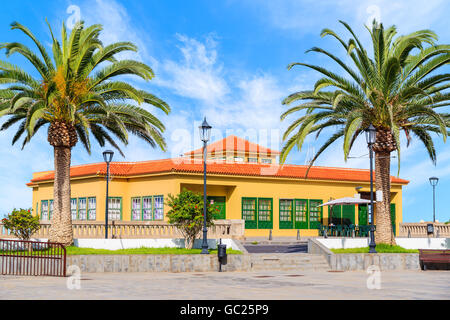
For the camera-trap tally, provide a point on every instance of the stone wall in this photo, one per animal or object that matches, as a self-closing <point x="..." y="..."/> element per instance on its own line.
<point x="158" y="263"/>
<point x="385" y="261"/>
<point x="361" y="261"/>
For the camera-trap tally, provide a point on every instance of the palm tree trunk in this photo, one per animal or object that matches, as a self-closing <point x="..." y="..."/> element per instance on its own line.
<point x="61" y="228"/>
<point x="384" y="232"/>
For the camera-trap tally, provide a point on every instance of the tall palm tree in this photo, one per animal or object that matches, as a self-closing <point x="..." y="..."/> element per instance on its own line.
<point x="399" y="88"/>
<point x="76" y="94"/>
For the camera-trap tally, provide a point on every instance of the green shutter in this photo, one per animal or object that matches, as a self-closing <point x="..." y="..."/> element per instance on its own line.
<point x="265" y="213"/>
<point x="286" y="213"/>
<point x="362" y="215"/>
<point x="336" y="215"/>
<point x="315" y="213"/>
<point x="393" y="217"/>
<point x="301" y="220"/>
<point x="249" y="213"/>
<point x="348" y="214"/>
<point x="220" y="205"/>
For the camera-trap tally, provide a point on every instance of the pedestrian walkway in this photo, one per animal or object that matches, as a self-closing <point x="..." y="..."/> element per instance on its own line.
<point x="261" y="285"/>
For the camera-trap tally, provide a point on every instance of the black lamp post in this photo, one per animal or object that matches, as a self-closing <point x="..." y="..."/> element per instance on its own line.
<point x="434" y="182"/>
<point x="370" y="138"/>
<point x="205" y="134"/>
<point x="107" y="156"/>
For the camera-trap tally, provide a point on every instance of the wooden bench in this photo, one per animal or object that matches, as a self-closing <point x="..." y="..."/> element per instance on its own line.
<point x="440" y="257"/>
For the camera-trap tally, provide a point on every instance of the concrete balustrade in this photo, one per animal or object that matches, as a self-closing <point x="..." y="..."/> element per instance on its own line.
<point x="419" y="230"/>
<point x="231" y="229"/>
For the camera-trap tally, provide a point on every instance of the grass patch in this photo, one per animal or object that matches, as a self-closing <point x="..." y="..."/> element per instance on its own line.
<point x="71" y="251"/>
<point x="80" y="251"/>
<point x="380" y="248"/>
<point x="255" y="242"/>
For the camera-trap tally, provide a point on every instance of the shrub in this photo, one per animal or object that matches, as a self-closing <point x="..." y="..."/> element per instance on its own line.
<point x="21" y="223"/>
<point x="186" y="214"/>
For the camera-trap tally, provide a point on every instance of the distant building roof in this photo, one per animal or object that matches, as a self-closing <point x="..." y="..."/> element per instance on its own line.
<point x="234" y="144"/>
<point x="183" y="165"/>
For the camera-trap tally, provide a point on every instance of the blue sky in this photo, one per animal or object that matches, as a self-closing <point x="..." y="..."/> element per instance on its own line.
<point x="226" y="60"/>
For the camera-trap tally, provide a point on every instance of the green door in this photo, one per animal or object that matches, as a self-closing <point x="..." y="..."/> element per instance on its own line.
<point x="348" y="214"/>
<point x="315" y="214"/>
<point x="393" y="217"/>
<point x="336" y="215"/>
<point x="362" y="215"/>
<point x="301" y="218"/>
<point x="219" y="203"/>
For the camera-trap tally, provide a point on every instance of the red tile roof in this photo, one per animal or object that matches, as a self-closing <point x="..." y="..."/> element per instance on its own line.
<point x="183" y="165"/>
<point x="233" y="143"/>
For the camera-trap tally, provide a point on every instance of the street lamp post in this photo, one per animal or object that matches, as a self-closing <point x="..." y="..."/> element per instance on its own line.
<point x="370" y="138"/>
<point x="107" y="156"/>
<point x="205" y="134"/>
<point x="434" y="182"/>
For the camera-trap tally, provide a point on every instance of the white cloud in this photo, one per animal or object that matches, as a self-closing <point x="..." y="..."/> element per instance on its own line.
<point x="309" y="16"/>
<point x="117" y="27"/>
<point x="198" y="75"/>
<point x="17" y="166"/>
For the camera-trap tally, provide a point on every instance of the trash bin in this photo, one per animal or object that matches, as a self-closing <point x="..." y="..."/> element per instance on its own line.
<point x="430" y="228"/>
<point x="222" y="254"/>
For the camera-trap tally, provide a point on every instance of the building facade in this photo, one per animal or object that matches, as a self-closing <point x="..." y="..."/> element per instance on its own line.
<point x="244" y="180"/>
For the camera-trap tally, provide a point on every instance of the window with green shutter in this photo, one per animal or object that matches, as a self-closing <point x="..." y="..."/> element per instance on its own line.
<point x="136" y="211"/>
<point x="44" y="210"/>
<point x="147" y="208"/>
<point x="315" y="213"/>
<point x="249" y="213"/>
<point x="73" y="208"/>
<point x="50" y="210"/>
<point x="114" y="208"/>
<point x="82" y="209"/>
<point x="265" y="211"/>
<point x="301" y="214"/>
<point x="92" y="208"/>
<point x="286" y="210"/>
<point x="158" y="208"/>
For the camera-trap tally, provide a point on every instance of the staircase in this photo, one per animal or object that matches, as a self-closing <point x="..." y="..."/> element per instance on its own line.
<point x="288" y="262"/>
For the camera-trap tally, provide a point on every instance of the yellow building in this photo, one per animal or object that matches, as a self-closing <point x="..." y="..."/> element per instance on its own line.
<point x="243" y="179"/>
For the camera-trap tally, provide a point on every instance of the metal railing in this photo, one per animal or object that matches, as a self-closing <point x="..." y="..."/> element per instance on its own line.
<point x="32" y="258"/>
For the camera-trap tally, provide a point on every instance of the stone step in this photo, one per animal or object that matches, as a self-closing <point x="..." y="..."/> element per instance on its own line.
<point x="266" y="261"/>
<point x="275" y="243"/>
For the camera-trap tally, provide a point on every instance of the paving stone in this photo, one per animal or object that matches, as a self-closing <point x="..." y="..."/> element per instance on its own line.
<point x="278" y="285"/>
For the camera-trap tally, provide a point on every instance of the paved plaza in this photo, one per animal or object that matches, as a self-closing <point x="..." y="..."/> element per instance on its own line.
<point x="232" y="285"/>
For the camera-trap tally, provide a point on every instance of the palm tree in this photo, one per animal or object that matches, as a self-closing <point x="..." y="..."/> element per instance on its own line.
<point x="398" y="89"/>
<point x="76" y="94"/>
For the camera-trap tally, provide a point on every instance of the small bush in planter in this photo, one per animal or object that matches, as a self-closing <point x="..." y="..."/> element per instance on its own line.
<point x="186" y="214"/>
<point x="22" y="223"/>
